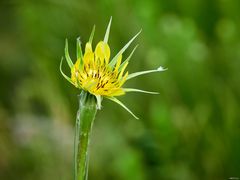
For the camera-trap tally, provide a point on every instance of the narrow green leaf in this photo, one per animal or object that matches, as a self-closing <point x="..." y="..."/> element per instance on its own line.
<point x="114" y="60"/>
<point x="79" y="53"/>
<point x="107" y="31"/>
<point x="128" y="58"/>
<point x="64" y="75"/>
<point x="133" y="75"/>
<point x="139" y="90"/>
<point x="92" y="35"/>
<point x="69" y="61"/>
<point x="79" y="49"/>
<point x="121" y="104"/>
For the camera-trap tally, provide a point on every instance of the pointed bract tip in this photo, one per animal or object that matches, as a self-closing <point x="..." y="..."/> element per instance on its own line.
<point x="161" y="68"/>
<point x="108" y="31"/>
<point x="138" y="32"/>
<point x="92" y="34"/>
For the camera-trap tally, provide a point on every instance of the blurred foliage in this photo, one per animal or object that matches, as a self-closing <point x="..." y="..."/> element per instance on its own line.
<point x="191" y="131"/>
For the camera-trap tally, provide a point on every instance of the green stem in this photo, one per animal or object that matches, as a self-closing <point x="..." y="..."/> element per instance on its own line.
<point x="85" y="118"/>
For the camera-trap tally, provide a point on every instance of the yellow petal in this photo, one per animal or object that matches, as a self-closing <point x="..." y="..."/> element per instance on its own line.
<point x="73" y="75"/>
<point x="102" y="51"/>
<point x="88" y="58"/>
<point x="77" y="64"/>
<point x="123" y="80"/>
<point x="119" y="60"/>
<point x="107" y="52"/>
<point x="117" y="92"/>
<point x="122" y="70"/>
<point x="98" y="51"/>
<point x="88" y="47"/>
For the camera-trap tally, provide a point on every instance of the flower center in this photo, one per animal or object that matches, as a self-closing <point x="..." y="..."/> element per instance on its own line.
<point x="98" y="79"/>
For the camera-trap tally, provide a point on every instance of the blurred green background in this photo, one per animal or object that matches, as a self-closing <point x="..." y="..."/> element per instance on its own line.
<point x="191" y="131"/>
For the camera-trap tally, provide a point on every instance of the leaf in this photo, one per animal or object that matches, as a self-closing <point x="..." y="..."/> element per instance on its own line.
<point x="114" y="60"/>
<point x="69" y="61"/>
<point x="107" y="31"/>
<point x="121" y="104"/>
<point x="133" y="75"/>
<point x="79" y="49"/>
<point x="79" y="53"/>
<point x="139" y="90"/>
<point x="92" y="35"/>
<point x="128" y="58"/>
<point x="64" y="75"/>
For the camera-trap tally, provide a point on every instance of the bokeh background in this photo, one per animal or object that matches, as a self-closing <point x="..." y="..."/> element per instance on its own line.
<point x="191" y="131"/>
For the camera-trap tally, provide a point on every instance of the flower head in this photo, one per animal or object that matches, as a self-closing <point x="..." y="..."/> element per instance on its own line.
<point x="95" y="73"/>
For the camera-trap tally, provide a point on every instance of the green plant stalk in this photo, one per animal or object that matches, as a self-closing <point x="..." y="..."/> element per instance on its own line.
<point x="84" y="121"/>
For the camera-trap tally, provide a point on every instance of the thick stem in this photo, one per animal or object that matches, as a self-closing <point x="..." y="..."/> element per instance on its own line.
<point x="85" y="118"/>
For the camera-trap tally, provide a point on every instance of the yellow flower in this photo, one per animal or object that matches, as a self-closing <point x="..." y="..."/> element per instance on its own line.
<point x="95" y="73"/>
